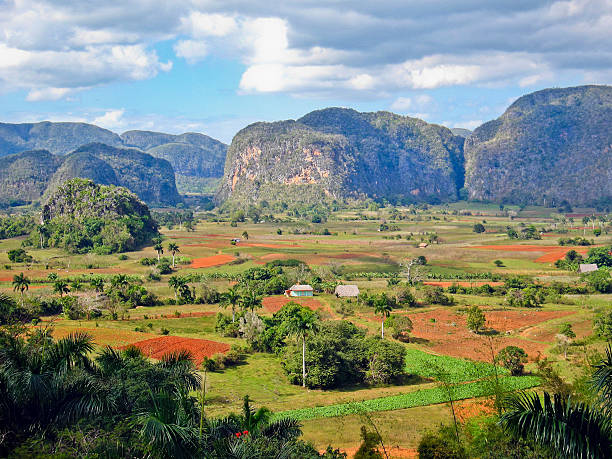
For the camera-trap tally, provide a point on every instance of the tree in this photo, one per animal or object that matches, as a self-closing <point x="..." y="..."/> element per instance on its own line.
<point x="301" y="324"/>
<point x="245" y="235"/>
<point x="158" y="247"/>
<point x="176" y="283"/>
<point x="512" y="358"/>
<point x="97" y="283"/>
<point x="600" y="280"/>
<point x="369" y="445"/>
<point x="21" y="283"/>
<point x="566" y="330"/>
<point x="43" y="232"/>
<point x="61" y="286"/>
<point x="603" y="325"/>
<point x="383" y="307"/>
<point x="478" y="228"/>
<point x="231" y="298"/>
<point x="250" y="300"/>
<point x="475" y="319"/>
<point x="173" y="248"/>
<point x="601" y="256"/>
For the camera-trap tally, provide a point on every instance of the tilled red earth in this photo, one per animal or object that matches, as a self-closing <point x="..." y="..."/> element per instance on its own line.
<point x="156" y="348"/>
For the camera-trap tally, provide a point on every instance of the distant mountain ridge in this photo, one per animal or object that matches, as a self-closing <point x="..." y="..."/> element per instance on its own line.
<point x="34" y="175"/>
<point x="196" y="158"/>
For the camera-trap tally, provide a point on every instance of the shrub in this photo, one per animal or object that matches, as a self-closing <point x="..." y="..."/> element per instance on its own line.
<point x="441" y="444"/>
<point x="400" y="327"/>
<point x="435" y="295"/>
<point x="478" y="228"/>
<point x="19" y="256"/>
<point x="475" y="319"/>
<point x="603" y="325"/>
<point x="513" y="359"/>
<point x="369" y="445"/>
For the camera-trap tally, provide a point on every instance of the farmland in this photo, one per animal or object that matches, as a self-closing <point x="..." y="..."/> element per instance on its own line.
<point x="349" y="247"/>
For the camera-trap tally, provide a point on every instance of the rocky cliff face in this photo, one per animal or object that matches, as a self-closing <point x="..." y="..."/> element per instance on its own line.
<point x="551" y="145"/>
<point x="341" y="153"/>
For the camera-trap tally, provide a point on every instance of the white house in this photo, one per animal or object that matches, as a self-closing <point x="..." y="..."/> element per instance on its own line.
<point x="300" y="290"/>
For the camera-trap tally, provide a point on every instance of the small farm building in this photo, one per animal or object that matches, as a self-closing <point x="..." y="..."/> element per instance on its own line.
<point x="347" y="291"/>
<point x="422" y="245"/>
<point x="587" y="268"/>
<point x="300" y="290"/>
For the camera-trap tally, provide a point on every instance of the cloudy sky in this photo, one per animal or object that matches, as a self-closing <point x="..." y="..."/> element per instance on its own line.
<point x="215" y="66"/>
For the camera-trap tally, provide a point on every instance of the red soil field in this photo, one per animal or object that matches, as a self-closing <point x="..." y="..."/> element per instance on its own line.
<point x="275" y="303"/>
<point x="466" y="409"/>
<point x="269" y="246"/>
<point x="395" y="452"/>
<point x="462" y="283"/>
<point x="156" y="348"/>
<point x="207" y="262"/>
<point x="551" y="253"/>
<point x="449" y="334"/>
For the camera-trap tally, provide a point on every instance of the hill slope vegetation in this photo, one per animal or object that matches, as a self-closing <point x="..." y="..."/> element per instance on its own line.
<point x="553" y="145"/>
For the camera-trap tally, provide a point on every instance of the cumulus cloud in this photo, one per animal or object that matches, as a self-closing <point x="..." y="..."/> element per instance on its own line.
<point x="111" y="119"/>
<point x="53" y="47"/>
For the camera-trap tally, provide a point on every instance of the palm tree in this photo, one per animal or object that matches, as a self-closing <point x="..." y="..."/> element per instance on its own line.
<point x="61" y="286"/>
<point x="572" y="429"/>
<point x="42" y="233"/>
<point x="21" y="283"/>
<point x="97" y="283"/>
<point x="159" y="248"/>
<point x="232" y="297"/>
<point x="384" y="308"/>
<point x="302" y="324"/>
<point x="250" y="300"/>
<point x="120" y="281"/>
<point x="173" y="248"/>
<point x="176" y="283"/>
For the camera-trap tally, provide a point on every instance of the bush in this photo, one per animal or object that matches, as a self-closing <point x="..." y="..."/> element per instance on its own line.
<point x="478" y="228"/>
<point x="164" y="267"/>
<point x="442" y="444"/>
<point x="513" y="359"/>
<point x="600" y="280"/>
<point x="400" y="327"/>
<point x="406" y="299"/>
<point x="603" y="325"/>
<point x="19" y="256"/>
<point x="435" y="295"/>
<point x="369" y="445"/>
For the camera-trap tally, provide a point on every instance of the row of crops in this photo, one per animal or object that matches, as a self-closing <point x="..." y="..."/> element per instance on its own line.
<point x="422" y="397"/>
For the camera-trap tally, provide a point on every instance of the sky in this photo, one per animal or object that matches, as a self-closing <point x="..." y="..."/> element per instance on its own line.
<point x="216" y="66"/>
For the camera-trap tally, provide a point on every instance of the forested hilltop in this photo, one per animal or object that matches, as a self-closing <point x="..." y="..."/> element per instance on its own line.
<point x="338" y="153"/>
<point x="196" y="158"/>
<point x="33" y="175"/>
<point x="553" y="145"/>
<point x="82" y="216"/>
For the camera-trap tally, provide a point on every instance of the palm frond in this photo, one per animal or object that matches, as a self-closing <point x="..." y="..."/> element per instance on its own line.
<point x="572" y="429"/>
<point x="602" y="380"/>
<point x="283" y="429"/>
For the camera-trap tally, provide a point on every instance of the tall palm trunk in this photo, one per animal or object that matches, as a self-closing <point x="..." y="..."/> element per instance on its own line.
<point x="382" y="328"/>
<point x="173" y="259"/>
<point x="303" y="360"/>
<point x="233" y="313"/>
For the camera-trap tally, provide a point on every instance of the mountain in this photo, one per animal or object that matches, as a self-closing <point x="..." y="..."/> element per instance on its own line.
<point x="551" y="145"/>
<point x="34" y="175"/>
<point x="57" y="138"/>
<point x="196" y="158"/>
<point x="83" y="216"/>
<point x="338" y="153"/>
<point x="24" y="176"/>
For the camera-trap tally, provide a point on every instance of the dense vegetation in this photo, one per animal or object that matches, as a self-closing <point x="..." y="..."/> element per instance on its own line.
<point x="82" y="216"/>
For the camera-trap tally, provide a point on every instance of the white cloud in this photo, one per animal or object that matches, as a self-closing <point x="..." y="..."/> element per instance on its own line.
<point x="47" y="94"/>
<point x="191" y="50"/>
<point x="200" y="25"/>
<point x="112" y="119"/>
<point x="407" y="104"/>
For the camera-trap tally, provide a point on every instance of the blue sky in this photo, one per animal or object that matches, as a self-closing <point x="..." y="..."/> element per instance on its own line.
<point x="214" y="67"/>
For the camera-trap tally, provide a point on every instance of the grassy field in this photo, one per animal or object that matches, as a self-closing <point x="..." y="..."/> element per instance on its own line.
<point x="355" y="252"/>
